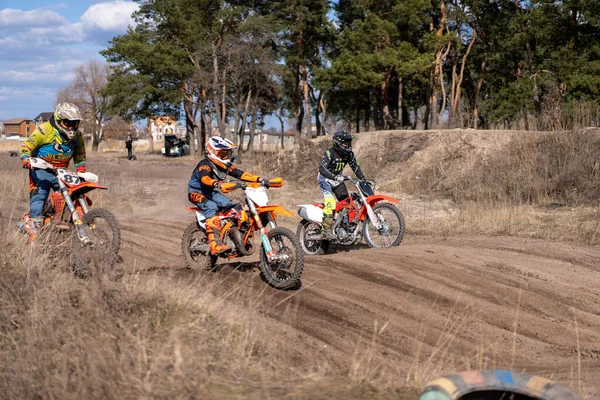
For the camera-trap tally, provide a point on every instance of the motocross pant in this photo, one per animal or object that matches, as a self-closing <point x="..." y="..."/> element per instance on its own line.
<point x="40" y="184"/>
<point x="332" y="192"/>
<point x="209" y="203"/>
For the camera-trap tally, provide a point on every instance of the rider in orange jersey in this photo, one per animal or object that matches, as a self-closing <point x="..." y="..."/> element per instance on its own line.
<point x="208" y="175"/>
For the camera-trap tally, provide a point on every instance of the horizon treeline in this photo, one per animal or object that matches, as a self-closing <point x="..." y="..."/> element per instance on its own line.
<point x="363" y="64"/>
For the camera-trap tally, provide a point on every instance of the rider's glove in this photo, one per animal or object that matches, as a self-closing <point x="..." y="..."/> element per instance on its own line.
<point x="339" y="178"/>
<point x="264" y="182"/>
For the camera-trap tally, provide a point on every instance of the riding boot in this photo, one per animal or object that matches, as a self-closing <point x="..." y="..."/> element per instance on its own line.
<point x="213" y="232"/>
<point x="326" y="233"/>
<point x="35" y="226"/>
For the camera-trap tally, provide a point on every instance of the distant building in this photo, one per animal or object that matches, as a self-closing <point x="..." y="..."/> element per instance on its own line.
<point x="19" y="126"/>
<point x="165" y="125"/>
<point x="42" y="117"/>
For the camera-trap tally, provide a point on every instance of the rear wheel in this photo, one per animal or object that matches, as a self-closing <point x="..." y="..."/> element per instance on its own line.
<point x="311" y="247"/>
<point x="391" y="231"/>
<point x="285" y="270"/>
<point x="194" y="247"/>
<point x="101" y="252"/>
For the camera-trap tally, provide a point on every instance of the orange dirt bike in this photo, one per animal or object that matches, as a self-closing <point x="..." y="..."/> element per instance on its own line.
<point x="94" y="234"/>
<point x="362" y="213"/>
<point x="281" y="260"/>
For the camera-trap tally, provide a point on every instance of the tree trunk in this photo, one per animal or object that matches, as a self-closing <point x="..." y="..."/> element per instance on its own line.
<point x="318" y="113"/>
<point x="190" y="123"/>
<point x="252" y="128"/>
<point x="280" y="117"/>
<point x="150" y="137"/>
<point x="223" y="103"/>
<point x="457" y="81"/>
<point x="324" y="119"/>
<point x="308" y="124"/>
<point x="388" y="119"/>
<point x="242" y="131"/>
<point x="477" y="90"/>
<point x="400" y="102"/>
<point x="437" y="70"/>
<point x="236" y="124"/>
<point x="203" y="132"/>
<point x="216" y="101"/>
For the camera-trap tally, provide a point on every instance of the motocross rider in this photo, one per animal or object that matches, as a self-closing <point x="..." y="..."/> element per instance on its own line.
<point x="208" y="175"/>
<point x="331" y="180"/>
<point x="56" y="142"/>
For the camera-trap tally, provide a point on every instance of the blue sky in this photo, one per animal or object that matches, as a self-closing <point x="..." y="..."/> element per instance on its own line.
<point x="41" y="42"/>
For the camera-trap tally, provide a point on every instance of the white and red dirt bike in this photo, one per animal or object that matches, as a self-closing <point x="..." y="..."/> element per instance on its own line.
<point x="362" y="213"/>
<point x="92" y="235"/>
<point x="281" y="259"/>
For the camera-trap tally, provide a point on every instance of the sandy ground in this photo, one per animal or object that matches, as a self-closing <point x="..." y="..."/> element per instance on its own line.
<point x="424" y="308"/>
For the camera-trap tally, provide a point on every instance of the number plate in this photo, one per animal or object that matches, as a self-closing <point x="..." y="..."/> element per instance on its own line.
<point x="68" y="177"/>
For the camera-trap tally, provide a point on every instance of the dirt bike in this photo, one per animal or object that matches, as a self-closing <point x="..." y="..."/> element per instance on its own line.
<point x="281" y="260"/>
<point x="94" y="233"/>
<point x="361" y="213"/>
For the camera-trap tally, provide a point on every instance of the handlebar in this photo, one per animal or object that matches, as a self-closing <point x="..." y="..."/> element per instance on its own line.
<point x="229" y="187"/>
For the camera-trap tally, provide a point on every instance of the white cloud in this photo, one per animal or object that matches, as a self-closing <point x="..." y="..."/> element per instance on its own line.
<point x="10" y="17"/>
<point x="110" y="17"/>
<point x="38" y="58"/>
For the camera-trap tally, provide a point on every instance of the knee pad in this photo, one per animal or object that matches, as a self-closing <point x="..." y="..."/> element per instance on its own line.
<point x="329" y="207"/>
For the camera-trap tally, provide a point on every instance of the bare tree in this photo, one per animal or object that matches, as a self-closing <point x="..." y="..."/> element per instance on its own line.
<point x="85" y="92"/>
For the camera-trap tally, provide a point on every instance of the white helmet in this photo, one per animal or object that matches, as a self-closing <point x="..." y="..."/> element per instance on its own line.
<point x="220" y="150"/>
<point x="68" y="118"/>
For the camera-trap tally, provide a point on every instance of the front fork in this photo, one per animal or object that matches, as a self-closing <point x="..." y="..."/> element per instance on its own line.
<point x="263" y="232"/>
<point x="75" y="215"/>
<point x="372" y="217"/>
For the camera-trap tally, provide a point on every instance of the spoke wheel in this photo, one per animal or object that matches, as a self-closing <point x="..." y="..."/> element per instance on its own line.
<point x="101" y="253"/>
<point x="285" y="271"/>
<point x="194" y="259"/>
<point x="392" y="228"/>
<point x="311" y="247"/>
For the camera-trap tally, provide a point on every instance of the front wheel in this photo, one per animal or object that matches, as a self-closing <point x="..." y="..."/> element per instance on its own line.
<point x="285" y="269"/>
<point x="306" y="229"/>
<point x="102" y="250"/>
<point x="195" y="250"/>
<point x="391" y="230"/>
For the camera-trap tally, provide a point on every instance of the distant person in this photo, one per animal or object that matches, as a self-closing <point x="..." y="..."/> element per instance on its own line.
<point x="56" y="142"/>
<point x="129" y="146"/>
<point x="331" y="180"/>
<point x="208" y="176"/>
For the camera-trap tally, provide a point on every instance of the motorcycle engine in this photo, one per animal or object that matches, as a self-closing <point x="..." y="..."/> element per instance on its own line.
<point x="341" y="234"/>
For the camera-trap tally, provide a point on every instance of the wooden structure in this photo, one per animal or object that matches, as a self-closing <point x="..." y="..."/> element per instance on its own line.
<point x="19" y="126"/>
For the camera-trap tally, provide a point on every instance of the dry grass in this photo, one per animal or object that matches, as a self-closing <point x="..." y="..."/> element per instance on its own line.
<point x="145" y="336"/>
<point x="580" y="225"/>
<point x="530" y="184"/>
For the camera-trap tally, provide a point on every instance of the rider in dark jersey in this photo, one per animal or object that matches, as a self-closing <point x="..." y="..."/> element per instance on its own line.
<point x="330" y="176"/>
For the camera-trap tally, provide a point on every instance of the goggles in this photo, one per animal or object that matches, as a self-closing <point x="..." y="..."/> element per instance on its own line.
<point x="224" y="154"/>
<point x="70" y="124"/>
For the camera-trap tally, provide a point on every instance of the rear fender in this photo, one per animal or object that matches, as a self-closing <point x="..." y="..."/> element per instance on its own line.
<point x="372" y="200"/>
<point x="311" y="212"/>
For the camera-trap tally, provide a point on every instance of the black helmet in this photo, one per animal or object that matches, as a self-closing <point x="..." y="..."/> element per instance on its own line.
<point x="342" y="142"/>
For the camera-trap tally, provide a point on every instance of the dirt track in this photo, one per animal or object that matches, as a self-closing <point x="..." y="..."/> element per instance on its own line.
<point x="454" y="299"/>
<point x="457" y="295"/>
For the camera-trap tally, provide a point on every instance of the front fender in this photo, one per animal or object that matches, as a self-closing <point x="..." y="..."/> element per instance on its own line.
<point x="276" y="209"/>
<point x="372" y="200"/>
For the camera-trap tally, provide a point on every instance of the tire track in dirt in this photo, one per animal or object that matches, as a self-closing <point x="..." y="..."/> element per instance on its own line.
<point x="458" y="297"/>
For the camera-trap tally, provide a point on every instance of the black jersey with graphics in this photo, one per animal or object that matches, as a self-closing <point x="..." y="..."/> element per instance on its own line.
<point x="333" y="163"/>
